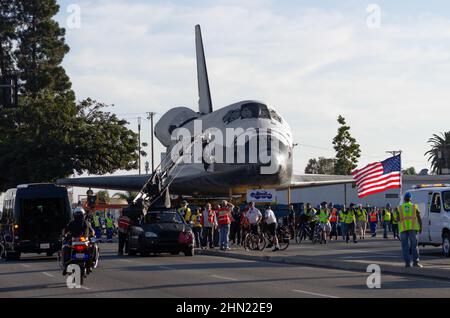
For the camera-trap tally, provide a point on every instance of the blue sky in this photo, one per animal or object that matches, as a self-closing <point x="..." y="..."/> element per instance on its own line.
<point x="312" y="60"/>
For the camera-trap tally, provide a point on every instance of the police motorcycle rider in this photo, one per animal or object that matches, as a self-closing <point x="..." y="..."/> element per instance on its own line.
<point x="78" y="227"/>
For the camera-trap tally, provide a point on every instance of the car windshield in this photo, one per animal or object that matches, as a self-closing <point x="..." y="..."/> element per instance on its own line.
<point x="163" y="217"/>
<point x="446" y="197"/>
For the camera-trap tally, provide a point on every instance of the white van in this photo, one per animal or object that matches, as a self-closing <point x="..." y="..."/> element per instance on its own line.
<point x="434" y="206"/>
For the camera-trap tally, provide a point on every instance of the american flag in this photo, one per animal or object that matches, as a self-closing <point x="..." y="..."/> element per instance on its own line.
<point x="378" y="176"/>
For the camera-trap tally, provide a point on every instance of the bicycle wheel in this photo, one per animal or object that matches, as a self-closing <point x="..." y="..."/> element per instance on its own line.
<point x="283" y="240"/>
<point x="299" y="236"/>
<point x="262" y="242"/>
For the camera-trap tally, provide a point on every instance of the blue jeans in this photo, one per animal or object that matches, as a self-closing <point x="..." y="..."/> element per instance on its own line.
<point x="385" y="228"/>
<point x="409" y="242"/>
<point x="197" y="235"/>
<point x="343" y="230"/>
<point x="109" y="234"/>
<point x="373" y="228"/>
<point x="224" y="231"/>
<point x="98" y="233"/>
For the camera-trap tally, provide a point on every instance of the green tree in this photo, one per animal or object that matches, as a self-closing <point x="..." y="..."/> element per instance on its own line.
<point x="347" y="149"/>
<point x="8" y="24"/>
<point x="50" y="136"/>
<point x="411" y="171"/>
<point x="439" y="154"/>
<point x="41" y="48"/>
<point x="128" y="196"/>
<point x="103" y="196"/>
<point x="321" y="166"/>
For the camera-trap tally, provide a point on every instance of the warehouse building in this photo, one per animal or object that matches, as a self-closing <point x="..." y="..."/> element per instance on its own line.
<point x="347" y="193"/>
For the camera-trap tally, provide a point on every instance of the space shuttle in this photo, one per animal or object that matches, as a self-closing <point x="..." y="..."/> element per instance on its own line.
<point x="223" y="177"/>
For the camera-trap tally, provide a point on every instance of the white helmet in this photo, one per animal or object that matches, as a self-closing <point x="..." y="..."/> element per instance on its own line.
<point x="79" y="210"/>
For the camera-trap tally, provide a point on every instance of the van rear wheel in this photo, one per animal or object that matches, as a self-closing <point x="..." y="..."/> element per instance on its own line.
<point x="446" y="244"/>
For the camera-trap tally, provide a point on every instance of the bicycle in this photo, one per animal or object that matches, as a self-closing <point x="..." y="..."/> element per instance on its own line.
<point x="319" y="234"/>
<point x="254" y="242"/>
<point x="303" y="232"/>
<point x="283" y="236"/>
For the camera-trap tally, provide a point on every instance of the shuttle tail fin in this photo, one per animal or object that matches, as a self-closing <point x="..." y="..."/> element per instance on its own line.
<point x="204" y="94"/>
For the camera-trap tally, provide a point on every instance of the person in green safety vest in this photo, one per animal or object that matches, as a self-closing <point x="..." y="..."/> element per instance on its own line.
<point x="350" y="220"/>
<point x="394" y="221"/>
<point x="109" y="228"/>
<point x="410" y="225"/>
<point x="185" y="211"/>
<point x="97" y="226"/>
<point x="324" y="222"/>
<point x="342" y="223"/>
<point x="386" y="218"/>
<point x="361" y="219"/>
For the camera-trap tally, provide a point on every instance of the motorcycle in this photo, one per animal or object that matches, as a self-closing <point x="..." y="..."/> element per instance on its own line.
<point x="81" y="251"/>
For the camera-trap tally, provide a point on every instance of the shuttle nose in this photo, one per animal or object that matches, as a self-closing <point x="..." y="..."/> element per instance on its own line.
<point x="276" y="161"/>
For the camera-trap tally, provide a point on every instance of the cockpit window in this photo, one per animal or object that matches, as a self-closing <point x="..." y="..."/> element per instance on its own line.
<point x="275" y="116"/>
<point x="247" y="111"/>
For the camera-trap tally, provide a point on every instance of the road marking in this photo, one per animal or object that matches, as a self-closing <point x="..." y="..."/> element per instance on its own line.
<point x="127" y="261"/>
<point x="223" y="277"/>
<point x="84" y="287"/>
<point x="26" y="266"/>
<point x="370" y="256"/>
<point x="313" y="294"/>
<point x="165" y="267"/>
<point x="47" y="274"/>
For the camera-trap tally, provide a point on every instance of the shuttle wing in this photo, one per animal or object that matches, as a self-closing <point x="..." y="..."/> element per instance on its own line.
<point x="135" y="183"/>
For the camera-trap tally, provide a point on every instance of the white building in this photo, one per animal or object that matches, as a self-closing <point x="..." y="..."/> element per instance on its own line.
<point x="346" y="193"/>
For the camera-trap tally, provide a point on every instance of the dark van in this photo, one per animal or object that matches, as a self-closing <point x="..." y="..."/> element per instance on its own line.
<point x="33" y="218"/>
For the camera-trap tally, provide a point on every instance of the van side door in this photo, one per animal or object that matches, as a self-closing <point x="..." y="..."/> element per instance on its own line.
<point x="425" y="215"/>
<point x="435" y="218"/>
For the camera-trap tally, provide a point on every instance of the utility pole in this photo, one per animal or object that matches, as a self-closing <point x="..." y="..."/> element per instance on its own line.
<point x="150" y="117"/>
<point x="139" y="134"/>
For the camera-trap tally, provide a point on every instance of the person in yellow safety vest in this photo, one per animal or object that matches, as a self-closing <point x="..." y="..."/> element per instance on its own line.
<point x="361" y="215"/>
<point x="324" y="216"/>
<point x="350" y="220"/>
<point x="410" y="225"/>
<point x="342" y="221"/>
<point x="97" y="226"/>
<point x="109" y="228"/>
<point x="196" y="221"/>
<point x="185" y="211"/>
<point x="394" y="221"/>
<point x="386" y="217"/>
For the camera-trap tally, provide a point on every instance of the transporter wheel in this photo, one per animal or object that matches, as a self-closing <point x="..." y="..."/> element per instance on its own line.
<point x="446" y="244"/>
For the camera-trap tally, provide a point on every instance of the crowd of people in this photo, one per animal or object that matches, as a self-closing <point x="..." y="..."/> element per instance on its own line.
<point x="225" y="225"/>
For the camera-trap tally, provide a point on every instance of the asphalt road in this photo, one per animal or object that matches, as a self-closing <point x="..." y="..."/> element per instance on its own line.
<point x="202" y="276"/>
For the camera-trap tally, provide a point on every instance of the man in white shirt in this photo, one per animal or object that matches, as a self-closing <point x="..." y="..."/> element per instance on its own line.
<point x="254" y="216"/>
<point x="271" y="222"/>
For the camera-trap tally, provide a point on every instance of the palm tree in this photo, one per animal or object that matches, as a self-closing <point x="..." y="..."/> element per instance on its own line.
<point x="439" y="154"/>
<point x="128" y="196"/>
